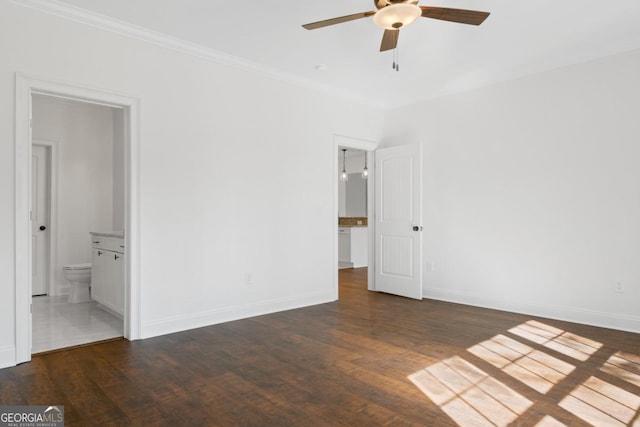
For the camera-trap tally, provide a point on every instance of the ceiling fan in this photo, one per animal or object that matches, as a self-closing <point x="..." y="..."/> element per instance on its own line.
<point x="395" y="14"/>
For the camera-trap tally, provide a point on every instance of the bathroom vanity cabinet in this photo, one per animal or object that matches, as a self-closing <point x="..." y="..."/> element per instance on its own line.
<point x="107" y="275"/>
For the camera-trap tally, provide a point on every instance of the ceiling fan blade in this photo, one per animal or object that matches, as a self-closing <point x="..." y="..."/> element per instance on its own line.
<point x="389" y="40"/>
<point x="340" y="20"/>
<point x="462" y="16"/>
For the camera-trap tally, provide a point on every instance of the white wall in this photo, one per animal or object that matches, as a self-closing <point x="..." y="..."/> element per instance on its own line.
<point x="84" y="136"/>
<point x="235" y="170"/>
<point x="532" y="192"/>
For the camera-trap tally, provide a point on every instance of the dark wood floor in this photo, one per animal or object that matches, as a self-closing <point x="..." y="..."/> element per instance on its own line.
<point x="370" y="359"/>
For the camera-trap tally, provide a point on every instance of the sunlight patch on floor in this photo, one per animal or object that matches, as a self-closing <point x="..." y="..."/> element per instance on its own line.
<point x="534" y="368"/>
<point x="469" y="395"/>
<point x="600" y="403"/>
<point x="549" y="421"/>
<point x="572" y="345"/>
<point x="624" y="366"/>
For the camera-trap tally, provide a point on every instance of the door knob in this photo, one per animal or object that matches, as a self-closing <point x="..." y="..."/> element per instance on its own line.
<point x="42" y="228"/>
<point x="417" y="228"/>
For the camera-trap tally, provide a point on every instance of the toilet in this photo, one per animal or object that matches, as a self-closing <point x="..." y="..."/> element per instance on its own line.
<point x="79" y="275"/>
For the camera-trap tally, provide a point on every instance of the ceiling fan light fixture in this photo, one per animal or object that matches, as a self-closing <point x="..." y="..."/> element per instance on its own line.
<point x="397" y="15"/>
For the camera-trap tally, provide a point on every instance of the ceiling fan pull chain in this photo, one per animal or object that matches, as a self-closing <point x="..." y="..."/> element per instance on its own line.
<point x="396" y="61"/>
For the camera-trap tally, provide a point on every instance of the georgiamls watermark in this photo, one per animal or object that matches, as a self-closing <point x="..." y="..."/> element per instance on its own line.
<point x="32" y="416"/>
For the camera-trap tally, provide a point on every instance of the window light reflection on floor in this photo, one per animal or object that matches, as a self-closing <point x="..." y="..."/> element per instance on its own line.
<point x="549" y="421"/>
<point x="534" y="368"/>
<point x="624" y="366"/>
<point x="600" y="403"/>
<point x="468" y="395"/>
<point x="556" y="339"/>
<point x="471" y="397"/>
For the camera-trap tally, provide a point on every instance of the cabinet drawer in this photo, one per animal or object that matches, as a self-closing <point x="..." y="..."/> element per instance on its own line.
<point x="115" y="244"/>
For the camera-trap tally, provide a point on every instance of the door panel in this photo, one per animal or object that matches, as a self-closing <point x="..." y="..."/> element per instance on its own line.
<point x="397" y="193"/>
<point x="398" y="213"/>
<point x="397" y="256"/>
<point x="39" y="220"/>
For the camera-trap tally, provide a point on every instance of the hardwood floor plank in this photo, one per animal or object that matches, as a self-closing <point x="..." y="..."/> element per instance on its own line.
<point x="355" y="362"/>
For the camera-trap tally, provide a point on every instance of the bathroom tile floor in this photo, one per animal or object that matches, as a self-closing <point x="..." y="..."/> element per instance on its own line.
<point x="58" y="323"/>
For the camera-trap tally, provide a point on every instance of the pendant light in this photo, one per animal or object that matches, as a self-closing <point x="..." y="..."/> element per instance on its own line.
<point x="365" y="171"/>
<point x="344" y="176"/>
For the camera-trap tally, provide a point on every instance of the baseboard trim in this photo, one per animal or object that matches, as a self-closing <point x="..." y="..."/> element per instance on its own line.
<point x="550" y="311"/>
<point x="227" y="314"/>
<point x="344" y="265"/>
<point x="62" y="290"/>
<point x="7" y="356"/>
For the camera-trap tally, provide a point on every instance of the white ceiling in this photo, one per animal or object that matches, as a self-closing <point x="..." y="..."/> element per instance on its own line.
<point x="520" y="37"/>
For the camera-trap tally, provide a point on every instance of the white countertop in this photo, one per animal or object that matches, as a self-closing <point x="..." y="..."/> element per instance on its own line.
<point x="108" y="233"/>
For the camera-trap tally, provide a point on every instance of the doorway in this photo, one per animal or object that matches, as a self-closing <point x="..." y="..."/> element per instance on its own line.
<point x="26" y="88"/>
<point x="89" y="197"/>
<point x="353" y="250"/>
<point x="394" y="214"/>
<point x="353" y="236"/>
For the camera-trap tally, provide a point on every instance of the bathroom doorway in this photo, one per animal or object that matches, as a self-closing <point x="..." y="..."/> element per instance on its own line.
<point x="88" y="196"/>
<point x="82" y="203"/>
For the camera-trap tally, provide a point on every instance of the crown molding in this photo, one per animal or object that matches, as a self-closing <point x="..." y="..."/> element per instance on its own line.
<point x="96" y="20"/>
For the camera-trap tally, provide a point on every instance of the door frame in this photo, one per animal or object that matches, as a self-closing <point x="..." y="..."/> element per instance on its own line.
<point x="26" y="86"/>
<point x="369" y="147"/>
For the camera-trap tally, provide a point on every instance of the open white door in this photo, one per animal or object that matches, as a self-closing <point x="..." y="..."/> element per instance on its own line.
<point x="398" y="220"/>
